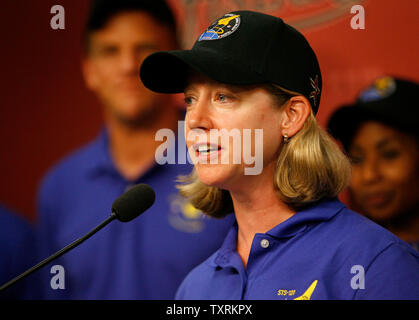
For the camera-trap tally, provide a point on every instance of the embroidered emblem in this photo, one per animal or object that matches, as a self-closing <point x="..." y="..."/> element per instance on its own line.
<point x="316" y="92"/>
<point x="183" y="216"/>
<point x="382" y="88"/>
<point x="221" y="28"/>
<point x="307" y="295"/>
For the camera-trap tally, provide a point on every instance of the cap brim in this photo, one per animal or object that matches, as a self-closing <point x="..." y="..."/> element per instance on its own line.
<point x="169" y="71"/>
<point x="345" y="122"/>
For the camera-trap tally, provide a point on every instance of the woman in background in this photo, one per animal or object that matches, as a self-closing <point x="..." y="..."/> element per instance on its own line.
<point x="379" y="132"/>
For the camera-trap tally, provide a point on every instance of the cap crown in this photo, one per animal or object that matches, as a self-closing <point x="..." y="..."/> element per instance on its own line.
<point x="241" y="48"/>
<point x="267" y="46"/>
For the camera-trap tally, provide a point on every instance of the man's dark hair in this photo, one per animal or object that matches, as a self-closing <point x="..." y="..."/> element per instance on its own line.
<point x="101" y="11"/>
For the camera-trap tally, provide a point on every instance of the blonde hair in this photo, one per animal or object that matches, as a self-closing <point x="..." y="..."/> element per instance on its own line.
<point x="310" y="167"/>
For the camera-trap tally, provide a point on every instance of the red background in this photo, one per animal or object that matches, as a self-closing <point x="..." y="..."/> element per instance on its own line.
<point x="45" y="110"/>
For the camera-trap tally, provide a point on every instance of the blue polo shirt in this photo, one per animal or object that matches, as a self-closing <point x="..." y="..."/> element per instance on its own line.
<point x="146" y="258"/>
<point x="323" y="252"/>
<point x="17" y="253"/>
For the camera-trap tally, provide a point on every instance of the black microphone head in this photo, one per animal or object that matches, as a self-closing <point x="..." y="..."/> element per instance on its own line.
<point x="133" y="202"/>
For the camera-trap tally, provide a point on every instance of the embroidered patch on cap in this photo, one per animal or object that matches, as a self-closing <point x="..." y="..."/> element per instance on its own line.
<point x="382" y="88"/>
<point x="316" y="92"/>
<point x="221" y="28"/>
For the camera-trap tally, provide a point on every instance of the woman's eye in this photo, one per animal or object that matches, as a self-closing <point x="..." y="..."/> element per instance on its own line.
<point x="188" y="100"/>
<point x="355" y="160"/>
<point x="223" y="98"/>
<point x="390" y="154"/>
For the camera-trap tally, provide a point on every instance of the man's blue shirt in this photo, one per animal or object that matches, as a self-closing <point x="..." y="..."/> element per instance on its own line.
<point x="144" y="259"/>
<point x="17" y="253"/>
<point x="323" y="252"/>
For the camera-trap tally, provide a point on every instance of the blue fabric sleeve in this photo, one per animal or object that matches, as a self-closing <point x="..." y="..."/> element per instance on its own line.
<point x="393" y="274"/>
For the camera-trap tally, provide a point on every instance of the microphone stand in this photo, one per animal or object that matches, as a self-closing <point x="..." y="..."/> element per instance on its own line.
<point x="58" y="253"/>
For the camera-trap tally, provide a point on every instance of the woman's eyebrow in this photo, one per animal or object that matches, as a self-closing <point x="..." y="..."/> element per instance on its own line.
<point x="189" y="87"/>
<point x="233" y="88"/>
<point x="218" y="85"/>
<point x="385" y="141"/>
<point x="355" y="149"/>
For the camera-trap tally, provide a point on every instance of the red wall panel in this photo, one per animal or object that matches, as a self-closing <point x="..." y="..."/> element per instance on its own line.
<point x="45" y="110"/>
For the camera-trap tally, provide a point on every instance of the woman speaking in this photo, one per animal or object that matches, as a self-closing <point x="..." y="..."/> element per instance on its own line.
<point x="293" y="239"/>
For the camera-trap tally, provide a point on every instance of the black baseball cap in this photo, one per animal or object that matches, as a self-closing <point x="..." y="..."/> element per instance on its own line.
<point x="241" y="48"/>
<point x="389" y="100"/>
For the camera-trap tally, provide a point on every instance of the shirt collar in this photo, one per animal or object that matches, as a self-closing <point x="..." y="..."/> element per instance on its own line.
<point x="100" y="159"/>
<point x="228" y="248"/>
<point x="318" y="212"/>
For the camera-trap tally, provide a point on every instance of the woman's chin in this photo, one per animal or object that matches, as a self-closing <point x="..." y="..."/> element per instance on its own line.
<point x="213" y="176"/>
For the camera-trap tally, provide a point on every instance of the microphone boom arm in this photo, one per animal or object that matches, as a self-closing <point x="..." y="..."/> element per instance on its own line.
<point x="59" y="253"/>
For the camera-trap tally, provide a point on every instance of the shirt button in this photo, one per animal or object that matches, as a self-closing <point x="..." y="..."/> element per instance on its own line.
<point x="264" y="243"/>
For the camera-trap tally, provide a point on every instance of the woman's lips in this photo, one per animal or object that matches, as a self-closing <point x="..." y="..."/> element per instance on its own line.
<point x="378" y="199"/>
<point x="206" y="151"/>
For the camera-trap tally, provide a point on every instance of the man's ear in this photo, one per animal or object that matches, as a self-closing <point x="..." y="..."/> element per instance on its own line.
<point x="89" y="73"/>
<point x="294" y="115"/>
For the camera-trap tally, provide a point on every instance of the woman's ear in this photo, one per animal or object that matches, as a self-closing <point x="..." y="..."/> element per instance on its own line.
<point x="294" y="115"/>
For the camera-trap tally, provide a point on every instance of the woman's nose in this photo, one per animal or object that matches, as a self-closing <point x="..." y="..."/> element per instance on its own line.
<point x="370" y="171"/>
<point x="198" y="117"/>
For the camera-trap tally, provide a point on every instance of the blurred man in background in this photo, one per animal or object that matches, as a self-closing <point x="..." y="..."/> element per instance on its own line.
<point x="148" y="257"/>
<point x="380" y="133"/>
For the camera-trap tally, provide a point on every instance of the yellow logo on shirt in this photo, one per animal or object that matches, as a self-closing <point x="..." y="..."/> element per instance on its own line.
<point x="183" y="216"/>
<point x="305" y="296"/>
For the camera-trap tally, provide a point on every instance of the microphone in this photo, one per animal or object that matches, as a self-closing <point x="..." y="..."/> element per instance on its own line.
<point x="133" y="202"/>
<point x="126" y="208"/>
